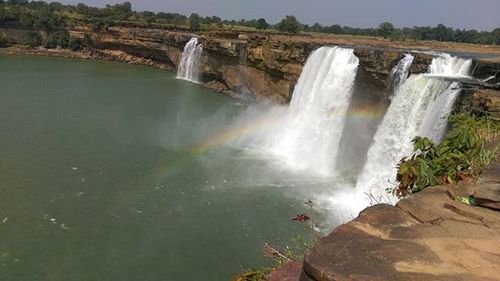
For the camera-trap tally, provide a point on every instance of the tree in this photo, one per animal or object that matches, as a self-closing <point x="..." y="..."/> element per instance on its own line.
<point x="336" y="29"/>
<point x="261" y="24"/>
<point x="290" y="24"/>
<point x="195" y="22"/>
<point x="87" y="40"/>
<point x="385" y="29"/>
<point x="496" y="36"/>
<point x="32" y="39"/>
<point x="75" y="44"/>
<point x="3" y="42"/>
<point x="443" y="33"/>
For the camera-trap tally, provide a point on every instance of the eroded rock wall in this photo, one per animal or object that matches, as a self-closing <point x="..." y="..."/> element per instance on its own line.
<point x="257" y="66"/>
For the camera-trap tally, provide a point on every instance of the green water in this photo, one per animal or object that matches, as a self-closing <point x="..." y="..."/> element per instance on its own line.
<point x="98" y="180"/>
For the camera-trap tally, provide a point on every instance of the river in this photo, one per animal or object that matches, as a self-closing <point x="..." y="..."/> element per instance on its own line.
<point x="120" y="172"/>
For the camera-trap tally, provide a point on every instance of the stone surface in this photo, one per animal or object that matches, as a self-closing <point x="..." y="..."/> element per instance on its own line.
<point x="428" y="236"/>
<point x="488" y="195"/>
<point x="273" y="62"/>
<point x="481" y="102"/>
<point x="288" y="272"/>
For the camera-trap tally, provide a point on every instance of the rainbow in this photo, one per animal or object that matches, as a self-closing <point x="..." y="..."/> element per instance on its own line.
<point x="265" y="121"/>
<point x="361" y="112"/>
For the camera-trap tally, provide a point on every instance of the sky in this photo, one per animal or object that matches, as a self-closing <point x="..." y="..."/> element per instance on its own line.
<point x="468" y="14"/>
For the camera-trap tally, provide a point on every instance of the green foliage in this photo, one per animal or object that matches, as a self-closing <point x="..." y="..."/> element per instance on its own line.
<point x="462" y="154"/>
<point x="100" y="25"/>
<point x="75" y="44"/>
<point x="290" y="24"/>
<point x="57" y="39"/>
<point x="31" y="39"/>
<point x="87" y="40"/>
<point x="386" y="29"/>
<point x="3" y="42"/>
<point x="261" y="24"/>
<point x="195" y="22"/>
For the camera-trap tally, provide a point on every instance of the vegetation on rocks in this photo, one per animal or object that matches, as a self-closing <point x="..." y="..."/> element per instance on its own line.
<point x="462" y="155"/>
<point x="3" y="42"/>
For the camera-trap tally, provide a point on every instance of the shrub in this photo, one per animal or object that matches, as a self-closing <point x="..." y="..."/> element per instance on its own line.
<point x="58" y="39"/>
<point x="463" y="154"/>
<point x="87" y="40"/>
<point x="32" y="39"/>
<point x="75" y="44"/>
<point x="3" y="42"/>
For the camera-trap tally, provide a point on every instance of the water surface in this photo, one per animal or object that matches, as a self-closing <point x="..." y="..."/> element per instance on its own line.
<point x="104" y="175"/>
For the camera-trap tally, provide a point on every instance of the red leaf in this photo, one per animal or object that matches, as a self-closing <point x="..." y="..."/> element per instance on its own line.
<point x="301" y="218"/>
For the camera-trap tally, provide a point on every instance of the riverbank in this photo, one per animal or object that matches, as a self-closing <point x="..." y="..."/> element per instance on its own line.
<point x="94" y="54"/>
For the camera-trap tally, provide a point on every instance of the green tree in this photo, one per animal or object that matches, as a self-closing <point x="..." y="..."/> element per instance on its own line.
<point x="3" y="42"/>
<point x="290" y="24"/>
<point x="386" y="29"/>
<point x="261" y="24"/>
<point x="496" y="36"/>
<point x="75" y="44"/>
<point x="87" y="40"/>
<point x="195" y="22"/>
<point x="32" y="39"/>
<point x="443" y="33"/>
<point x="59" y="39"/>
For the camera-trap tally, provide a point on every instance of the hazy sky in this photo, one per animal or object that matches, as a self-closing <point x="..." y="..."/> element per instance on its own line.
<point x="470" y="14"/>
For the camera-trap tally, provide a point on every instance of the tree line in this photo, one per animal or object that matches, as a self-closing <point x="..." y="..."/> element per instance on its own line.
<point x="56" y="17"/>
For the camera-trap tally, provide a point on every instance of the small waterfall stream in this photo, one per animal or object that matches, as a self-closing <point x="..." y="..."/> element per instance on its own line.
<point x="189" y="66"/>
<point x="401" y="71"/>
<point x="420" y="107"/>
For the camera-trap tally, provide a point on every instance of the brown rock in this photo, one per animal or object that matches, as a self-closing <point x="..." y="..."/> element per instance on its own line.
<point x="288" y="272"/>
<point x="425" y="237"/>
<point x="488" y="195"/>
<point x="248" y="81"/>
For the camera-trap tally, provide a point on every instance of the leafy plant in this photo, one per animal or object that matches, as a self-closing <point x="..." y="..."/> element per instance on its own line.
<point x="462" y="155"/>
<point x="3" y="41"/>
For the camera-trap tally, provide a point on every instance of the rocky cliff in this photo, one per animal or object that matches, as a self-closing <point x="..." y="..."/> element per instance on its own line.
<point x="428" y="236"/>
<point x="259" y="66"/>
<point x="263" y="67"/>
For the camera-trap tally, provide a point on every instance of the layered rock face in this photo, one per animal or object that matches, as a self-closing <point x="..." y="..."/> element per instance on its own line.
<point x="258" y="66"/>
<point x="481" y="102"/>
<point x="262" y="67"/>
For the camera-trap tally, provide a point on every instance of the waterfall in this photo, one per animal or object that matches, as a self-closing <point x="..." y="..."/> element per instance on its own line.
<point x="419" y="107"/>
<point x="189" y="66"/>
<point x="310" y="129"/>
<point x="400" y="72"/>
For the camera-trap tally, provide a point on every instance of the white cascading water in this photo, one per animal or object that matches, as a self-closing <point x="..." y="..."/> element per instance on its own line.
<point x="309" y="135"/>
<point x="401" y="71"/>
<point x="189" y="66"/>
<point x="420" y="107"/>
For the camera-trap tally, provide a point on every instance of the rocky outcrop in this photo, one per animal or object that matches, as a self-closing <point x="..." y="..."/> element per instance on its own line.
<point x="481" y="102"/>
<point x="261" y="66"/>
<point x="428" y="236"/>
